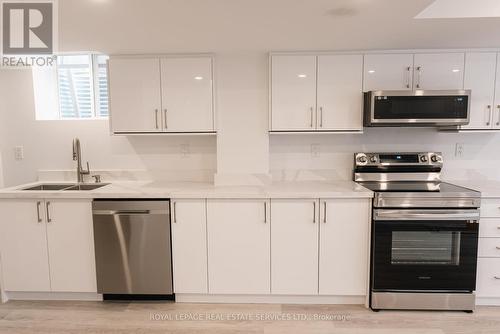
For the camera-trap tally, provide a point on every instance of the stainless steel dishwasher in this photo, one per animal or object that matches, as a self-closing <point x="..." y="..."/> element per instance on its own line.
<point x="133" y="249"/>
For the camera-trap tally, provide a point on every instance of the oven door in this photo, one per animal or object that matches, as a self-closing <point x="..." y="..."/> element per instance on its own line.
<point x="424" y="250"/>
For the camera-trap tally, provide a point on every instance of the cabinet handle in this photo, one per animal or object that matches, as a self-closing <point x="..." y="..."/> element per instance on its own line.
<point x="38" y="204"/>
<point x="47" y="206"/>
<point x="165" y="113"/>
<point x="496" y="277"/>
<point x="156" y="118"/>
<point x="419" y="72"/>
<point x="498" y="247"/>
<point x="324" y="212"/>
<point x="312" y="116"/>
<point x="265" y="212"/>
<point x="320" y="117"/>
<point x="314" y="212"/>
<point x="408" y="69"/>
<point x="488" y="107"/>
<point x="498" y="119"/>
<point x="175" y="213"/>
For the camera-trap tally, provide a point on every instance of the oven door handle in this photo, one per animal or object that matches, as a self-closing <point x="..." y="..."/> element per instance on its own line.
<point x="471" y="215"/>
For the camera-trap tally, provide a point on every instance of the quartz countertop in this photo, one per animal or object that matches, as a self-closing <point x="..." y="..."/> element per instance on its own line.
<point x="488" y="188"/>
<point x="137" y="189"/>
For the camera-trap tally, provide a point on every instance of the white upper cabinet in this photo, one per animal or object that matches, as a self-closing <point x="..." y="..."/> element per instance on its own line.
<point x="340" y="98"/>
<point x="293" y="89"/>
<point x="388" y="72"/>
<point x="438" y="71"/>
<point x="343" y="247"/>
<point x="239" y="254"/>
<point x="294" y="246"/>
<point x="496" y="107"/>
<point x="23" y="246"/>
<point x="186" y="85"/>
<point x="70" y="240"/>
<point x="189" y="245"/>
<point x="480" y="68"/>
<point x="161" y="95"/>
<point x="135" y="95"/>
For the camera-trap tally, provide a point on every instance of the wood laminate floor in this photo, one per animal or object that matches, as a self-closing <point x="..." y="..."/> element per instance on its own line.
<point x="106" y="317"/>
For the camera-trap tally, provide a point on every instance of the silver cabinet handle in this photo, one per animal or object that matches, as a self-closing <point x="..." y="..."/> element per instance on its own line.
<point x="165" y="114"/>
<point x="496" y="277"/>
<point x="419" y="72"/>
<point x="38" y="204"/>
<point x="488" y="107"/>
<point x="265" y="212"/>
<point x="408" y="69"/>
<point x="314" y="212"/>
<point x="156" y="118"/>
<point x="498" y="247"/>
<point x="324" y="212"/>
<point x="498" y="119"/>
<point x="47" y="206"/>
<point x="312" y="116"/>
<point x="175" y="213"/>
<point x="320" y="117"/>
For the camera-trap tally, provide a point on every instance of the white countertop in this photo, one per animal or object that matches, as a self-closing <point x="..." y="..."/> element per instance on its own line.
<point x="488" y="188"/>
<point x="135" y="189"/>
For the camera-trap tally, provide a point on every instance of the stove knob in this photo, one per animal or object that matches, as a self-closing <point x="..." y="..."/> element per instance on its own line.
<point x="362" y="159"/>
<point x="373" y="159"/>
<point x="423" y="158"/>
<point x="434" y="158"/>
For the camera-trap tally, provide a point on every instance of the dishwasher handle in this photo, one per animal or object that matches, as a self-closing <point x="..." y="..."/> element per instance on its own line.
<point x="127" y="212"/>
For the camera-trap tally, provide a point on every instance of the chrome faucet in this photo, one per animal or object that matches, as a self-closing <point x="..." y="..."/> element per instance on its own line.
<point x="77" y="156"/>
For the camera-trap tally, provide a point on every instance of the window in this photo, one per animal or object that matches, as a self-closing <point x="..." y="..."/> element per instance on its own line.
<point x="76" y="88"/>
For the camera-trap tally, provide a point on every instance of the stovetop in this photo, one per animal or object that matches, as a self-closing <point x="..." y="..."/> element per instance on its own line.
<point x="420" y="189"/>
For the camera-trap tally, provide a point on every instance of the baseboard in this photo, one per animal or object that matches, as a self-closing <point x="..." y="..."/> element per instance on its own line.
<point x="487" y="301"/>
<point x="268" y="299"/>
<point x="73" y="296"/>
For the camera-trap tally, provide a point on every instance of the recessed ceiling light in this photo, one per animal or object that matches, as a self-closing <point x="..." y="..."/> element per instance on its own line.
<point x="371" y="71"/>
<point x="455" y="70"/>
<point x="302" y="76"/>
<point x="198" y="78"/>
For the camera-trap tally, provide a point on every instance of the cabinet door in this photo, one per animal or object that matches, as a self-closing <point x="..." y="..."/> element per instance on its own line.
<point x="340" y="92"/>
<point x="388" y="72"/>
<point x="23" y="246"/>
<point x="496" y="107"/>
<point x="189" y="246"/>
<point x="70" y="237"/>
<point x="293" y="93"/>
<point x="186" y="85"/>
<point x="343" y="247"/>
<point x="488" y="277"/>
<point x="238" y="246"/>
<point x="134" y="94"/>
<point x="480" y="79"/>
<point x="439" y="71"/>
<point x="294" y="247"/>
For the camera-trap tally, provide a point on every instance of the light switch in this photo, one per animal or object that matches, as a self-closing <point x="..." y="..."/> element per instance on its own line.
<point x="459" y="150"/>
<point x="19" y="152"/>
<point x="315" y="150"/>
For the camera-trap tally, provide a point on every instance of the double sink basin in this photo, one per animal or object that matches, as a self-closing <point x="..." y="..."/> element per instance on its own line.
<point x="65" y="187"/>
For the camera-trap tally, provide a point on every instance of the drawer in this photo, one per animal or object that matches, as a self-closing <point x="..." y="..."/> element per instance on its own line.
<point x="490" y="207"/>
<point x="489" y="247"/>
<point x="489" y="228"/>
<point x="488" y="278"/>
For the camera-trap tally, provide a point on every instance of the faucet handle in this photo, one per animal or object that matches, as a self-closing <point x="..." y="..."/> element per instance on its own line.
<point x="88" y="169"/>
<point x="97" y="178"/>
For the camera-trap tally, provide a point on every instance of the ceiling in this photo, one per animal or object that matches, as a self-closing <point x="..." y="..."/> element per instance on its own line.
<point x="116" y="26"/>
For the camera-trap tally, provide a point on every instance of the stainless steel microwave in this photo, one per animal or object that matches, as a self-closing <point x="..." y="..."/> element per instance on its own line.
<point x="439" y="108"/>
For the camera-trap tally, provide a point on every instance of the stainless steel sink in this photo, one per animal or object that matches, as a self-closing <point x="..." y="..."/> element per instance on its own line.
<point x="80" y="187"/>
<point x="49" y="186"/>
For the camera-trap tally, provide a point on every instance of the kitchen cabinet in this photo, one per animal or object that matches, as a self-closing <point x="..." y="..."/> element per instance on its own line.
<point x="439" y="71"/>
<point x="343" y="246"/>
<point x="339" y="92"/>
<point x="238" y="246"/>
<point x="488" y="278"/>
<point x="293" y="86"/>
<point x="154" y="94"/>
<point x="388" y="72"/>
<point x="134" y="94"/>
<point x="480" y="69"/>
<point x="294" y="246"/>
<point x="48" y="245"/>
<point x="496" y="105"/>
<point x="189" y="245"/>
<point x="186" y="85"/>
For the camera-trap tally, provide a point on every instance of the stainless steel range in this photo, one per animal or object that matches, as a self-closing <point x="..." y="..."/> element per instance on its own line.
<point x="424" y="233"/>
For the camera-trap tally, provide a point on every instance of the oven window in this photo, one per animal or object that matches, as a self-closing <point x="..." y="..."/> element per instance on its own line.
<point x="425" y="248"/>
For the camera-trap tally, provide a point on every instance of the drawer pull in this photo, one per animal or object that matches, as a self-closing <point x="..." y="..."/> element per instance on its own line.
<point x="498" y="247"/>
<point x="496" y="277"/>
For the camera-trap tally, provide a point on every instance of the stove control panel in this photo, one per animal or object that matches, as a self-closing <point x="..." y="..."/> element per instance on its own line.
<point x="399" y="159"/>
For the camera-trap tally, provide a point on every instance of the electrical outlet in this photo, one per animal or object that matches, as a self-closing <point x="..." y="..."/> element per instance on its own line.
<point x="315" y="150"/>
<point x="185" y="150"/>
<point x="19" y="152"/>
<point x="459" y="150"/>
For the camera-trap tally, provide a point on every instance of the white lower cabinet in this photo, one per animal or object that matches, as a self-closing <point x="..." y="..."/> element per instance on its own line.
<point x="47" y="245"/>
<point x="189" y="245"/>
<point x="239" y="234"/>
<point x="488" y="278"/>
<point x="343" y="247"/>
<point x="294" y="246"/>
